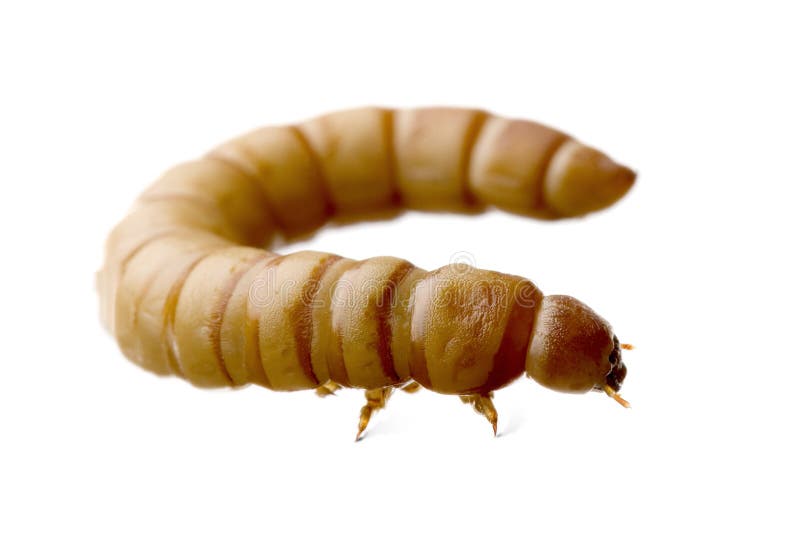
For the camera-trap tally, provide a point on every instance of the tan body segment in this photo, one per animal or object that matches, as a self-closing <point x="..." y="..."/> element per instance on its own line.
<point x="189" y="288"/>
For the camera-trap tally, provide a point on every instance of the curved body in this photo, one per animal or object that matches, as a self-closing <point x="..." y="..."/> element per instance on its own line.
<point x="189" y="288"/>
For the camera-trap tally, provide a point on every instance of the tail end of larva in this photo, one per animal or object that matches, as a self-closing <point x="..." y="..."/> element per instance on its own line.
<point x="581" y="180"/>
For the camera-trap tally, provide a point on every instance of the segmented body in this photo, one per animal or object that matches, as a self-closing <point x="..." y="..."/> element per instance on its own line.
<point x="189" y="289"/>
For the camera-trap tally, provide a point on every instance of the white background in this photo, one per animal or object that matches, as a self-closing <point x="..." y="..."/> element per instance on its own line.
<point x="697" y="267"/>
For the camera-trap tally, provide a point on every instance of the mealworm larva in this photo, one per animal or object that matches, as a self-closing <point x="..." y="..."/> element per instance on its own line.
<point x="188" y="289"/>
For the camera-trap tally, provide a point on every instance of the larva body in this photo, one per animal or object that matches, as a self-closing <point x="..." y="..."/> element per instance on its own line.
<point x="188" y="288"/>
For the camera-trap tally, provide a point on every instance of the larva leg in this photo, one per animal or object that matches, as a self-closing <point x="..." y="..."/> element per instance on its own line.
<point x="328" y="388"/>
<point x="483" y="405"/>
<point x="411" y="387"/>
<point x="376" y="399"/>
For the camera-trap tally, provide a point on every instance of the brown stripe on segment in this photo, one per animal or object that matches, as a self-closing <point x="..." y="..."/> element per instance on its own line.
<point x="253" y="332"/>
<point x="337" y="369"/>
<point x="466" y="155"/>
<point x="225" y="228"/>
<point x="231" y="230"/>
<point x="197" y="199"/>
<point x="168" y="315"/>
<point x="123" y="264"/>
<point x="538" y="185"/>
<point x="137" y="302"/>
<point x="237" y="167"/>
<point x="327" y="196"/>
<point x="418" y="364"/>
<point x="383" y="318"/>
<point x="146" y="288"/>
<point x="509" y="360"/>
<point x="300" y="315"/>
<point x="254" y="179"/>
<point x="391" y="156"/>
<point x="218" y="313"/>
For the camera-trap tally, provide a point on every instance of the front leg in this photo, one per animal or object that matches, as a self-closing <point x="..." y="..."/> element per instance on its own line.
<point x="328" y="388"/>
<point x="376" y="399"/>
<point x="483" y="405"/>
<point x="411" y="387"/>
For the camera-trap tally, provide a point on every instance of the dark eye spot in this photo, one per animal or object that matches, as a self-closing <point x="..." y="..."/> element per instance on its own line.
<point x="617" y="375"/>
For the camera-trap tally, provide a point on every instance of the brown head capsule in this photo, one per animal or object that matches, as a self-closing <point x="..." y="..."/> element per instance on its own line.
<point x="574" y="350"/>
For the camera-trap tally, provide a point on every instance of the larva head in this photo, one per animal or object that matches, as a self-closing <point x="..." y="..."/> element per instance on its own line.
<point x="573" y="349"/>
<point x="581" y="179"/>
